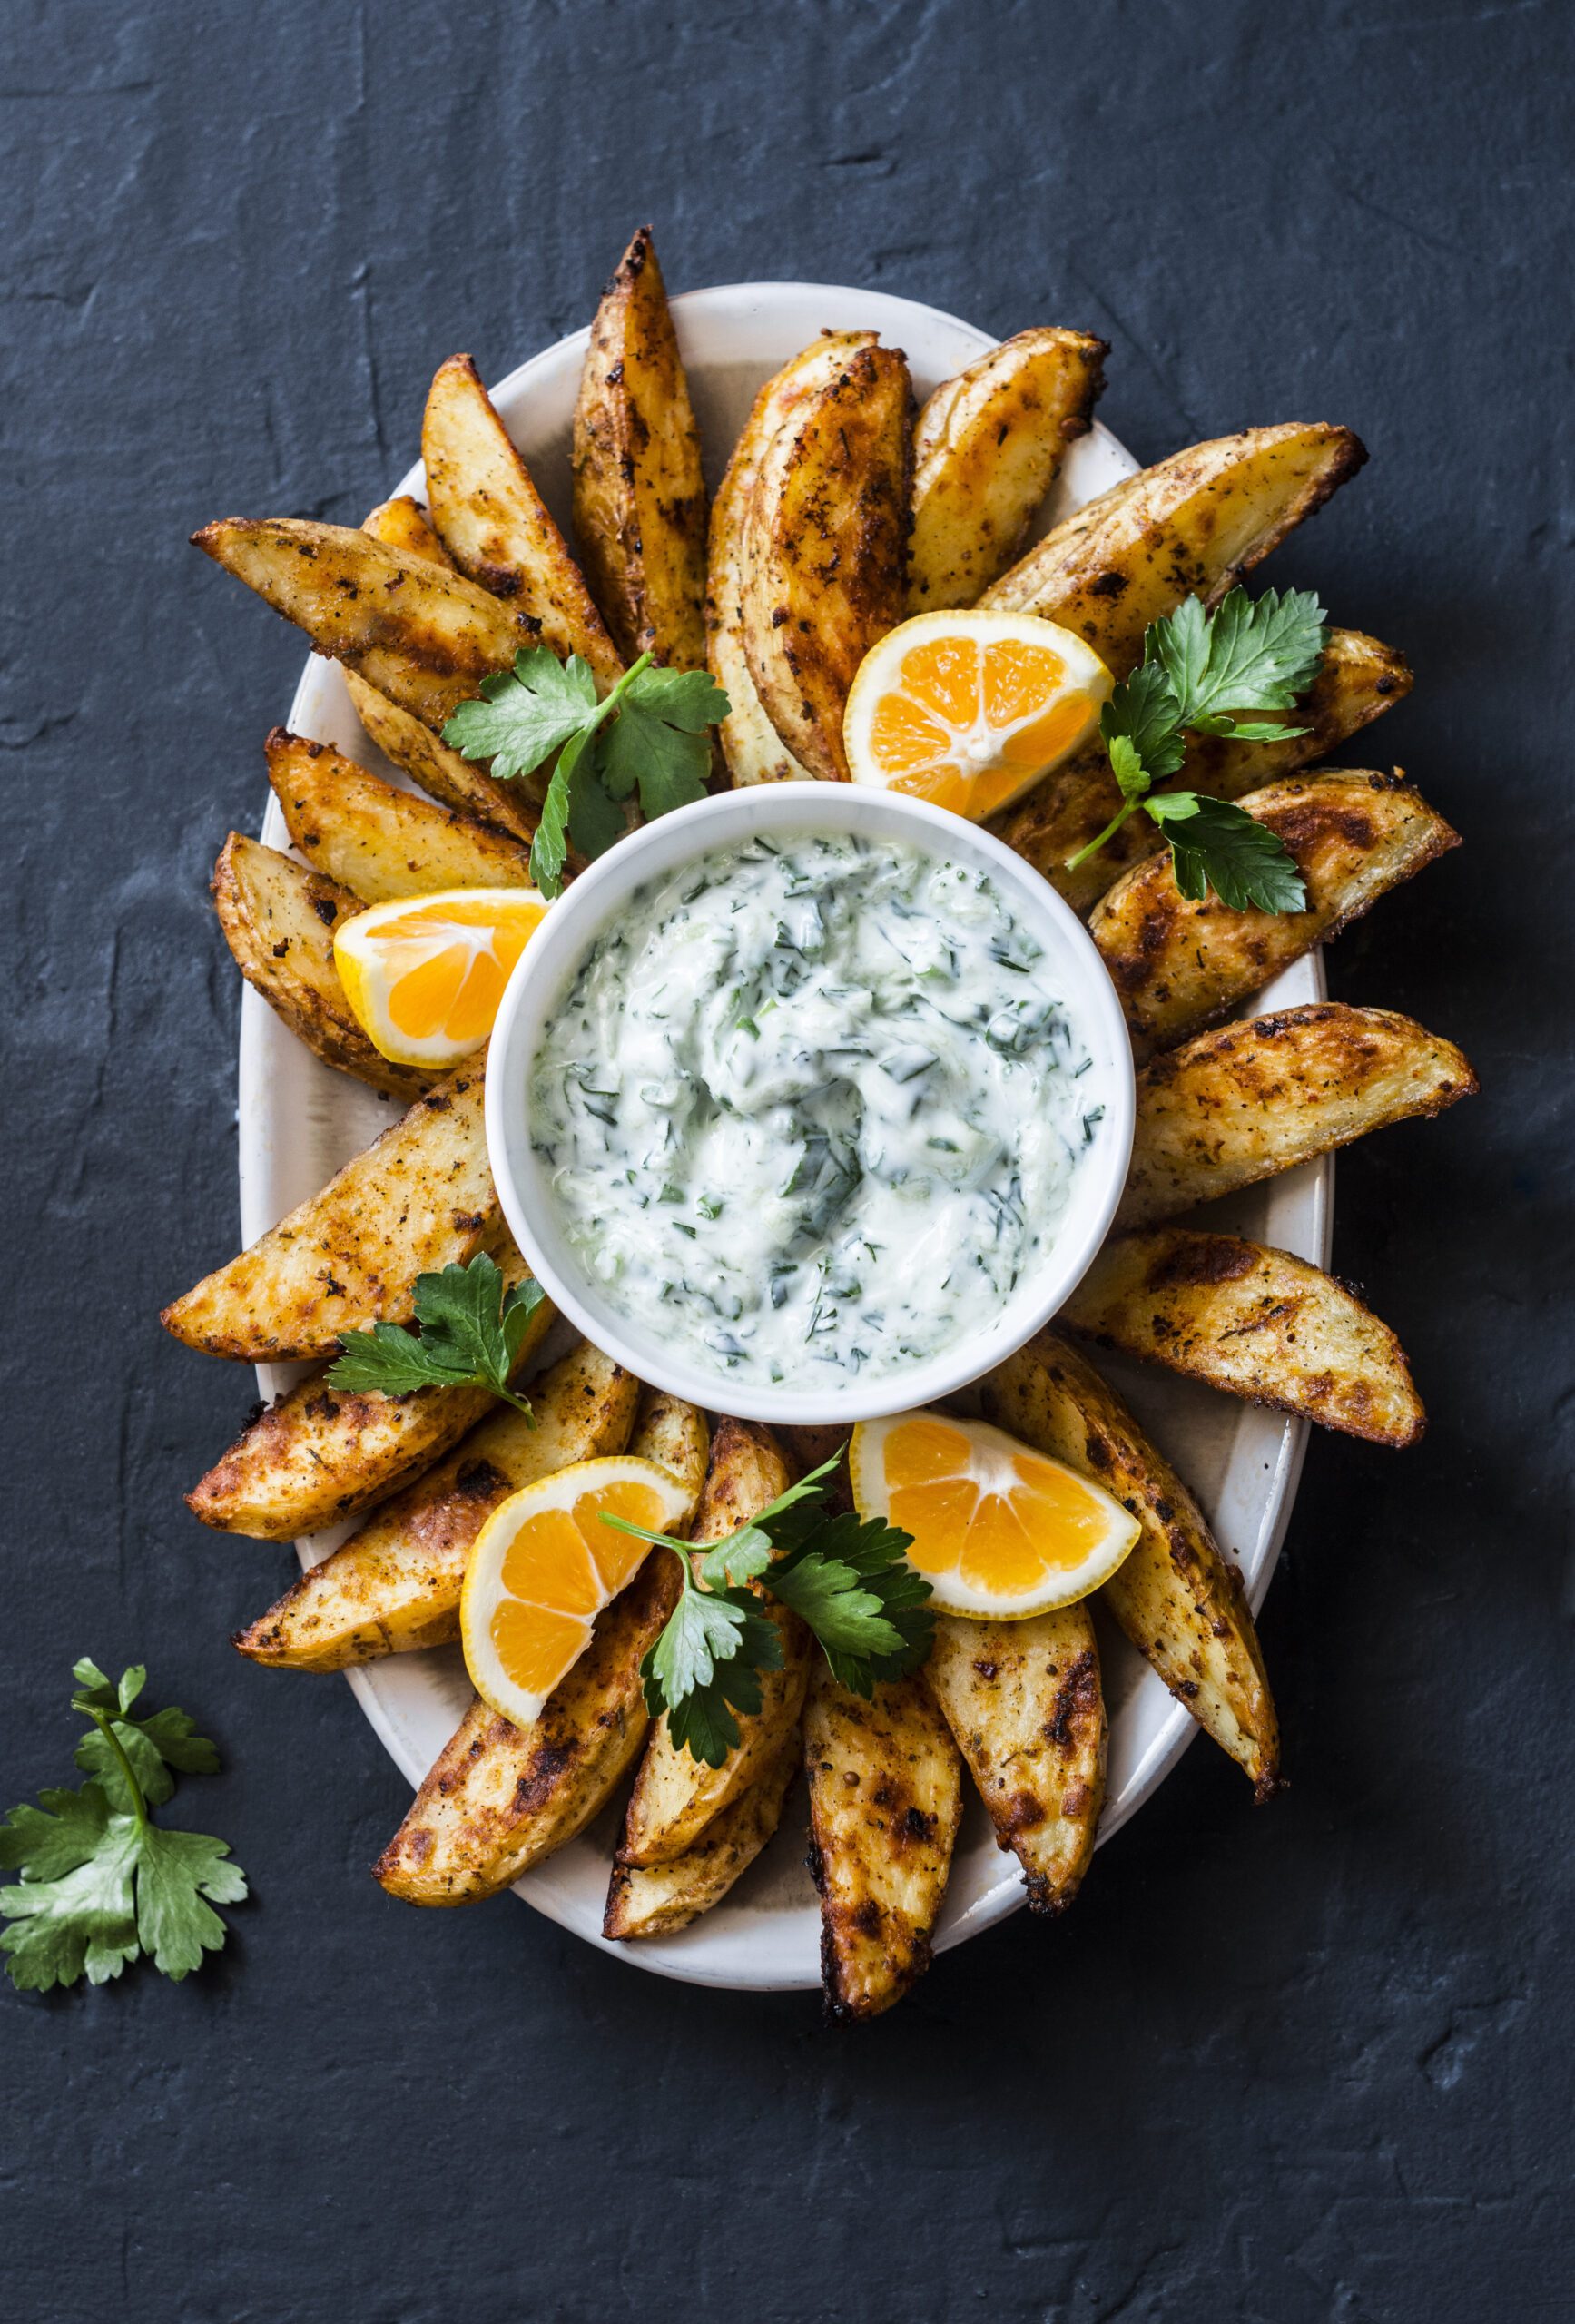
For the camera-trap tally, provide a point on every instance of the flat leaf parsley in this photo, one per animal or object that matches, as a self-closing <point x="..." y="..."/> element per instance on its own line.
<point x="471" y="1333"/>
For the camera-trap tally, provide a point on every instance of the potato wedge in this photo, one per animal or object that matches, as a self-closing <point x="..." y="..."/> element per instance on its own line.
<point x="885" y="1800"/>
<point x="987" y="448"/>
<point x="668" y="1897"/>
<point x="394" y="1586"/>
<point x="279" y="921"/>
<point x="754" y="750"/>
<point x="1257" y="1323"/>
<point x="380" y="842"/>
<point x="639" y="494"/>
<point x="1177" y="1598"/>
<point x="417" y="1198"/>
<point x="495" y="524"/>
<point x="1190" y="526"/>
<point x="824" y="571"/>
<point x="1358" y="680"/>
<point x="1027" y="1710"/>
<point x="675" y="1796"/>
<point x="1179" y="966"/>
<point x="1250" y="1100"/>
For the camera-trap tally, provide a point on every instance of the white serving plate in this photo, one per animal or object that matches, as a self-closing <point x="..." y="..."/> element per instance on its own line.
<point x="299" y="1121"/>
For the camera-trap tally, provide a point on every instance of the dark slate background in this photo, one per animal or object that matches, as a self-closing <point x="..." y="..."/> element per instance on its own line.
<point x="1303" y="2064"/>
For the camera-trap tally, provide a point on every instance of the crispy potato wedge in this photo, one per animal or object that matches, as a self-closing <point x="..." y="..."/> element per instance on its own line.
<point x="1358" y="680"/>
<point x="885" y="1800"/>
<point x="495" y="524"/>
<point x="1177" y="1598"/>
<point x="675" y="1796"/>
<point x="1179" y="966"/>
<point x="1191" y="526"/>
<point x="420" y="1197"/>
<point x="639" y="494"/>
<point x="1257" y="1323"/>
<point x="279" y="921"/>
<point x="754" y="750"/>
<point x="1250" y="1100"/>
<point x="824" y="570"/>
<point x="394" y="1586"/>
<point x="987" y="448"/>
<point x="666" y="1897"/>
<point x="380" y="842"/>
<point x="1027" y="1710"/>
<point x="402" y="523"/>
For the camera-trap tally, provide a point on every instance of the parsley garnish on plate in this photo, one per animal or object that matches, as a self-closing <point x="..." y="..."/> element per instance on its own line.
<point x="1199" y="671"/>
<point x="648" y="734"/>
<point x="102" y="1882"/>
<point x="471" y="1333"/>
<point x="845" y="1577"/>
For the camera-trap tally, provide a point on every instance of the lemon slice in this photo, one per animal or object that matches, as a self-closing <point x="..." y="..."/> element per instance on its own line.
<point x="968" y="709"/>
<point x="425" y="974"/>
<point x="999" y="1532"/>
<point x="542" y="1567"/>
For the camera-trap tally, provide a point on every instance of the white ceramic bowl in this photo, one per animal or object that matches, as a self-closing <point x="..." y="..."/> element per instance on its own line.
<point x="549" y="963"/>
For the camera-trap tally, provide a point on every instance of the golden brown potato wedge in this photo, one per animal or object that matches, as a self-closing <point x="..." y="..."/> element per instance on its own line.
<point x="1250" y="1100"/>
<point x="1179" y="1601"/>
<point x="1358" y="680"/>
<point x="394" y="1586"/>
<point x="825" y="552"/>
<point x="677" y="1797"/>
<point x="380" y="842"/>
<point x="885" y="1799"/>
<point x="639" y="494"/>
<point x="495" y="524"/>
<point x="420" y="1197"/>
<point x="1178" y="966"/>
<point x="987" y="448"/>
<point x="279" y="921"/>
<point x="754" y="750"/>
<point x="1191" y="526"/>
<point x="402" y="523"/>
<point x="1258" y="1323"/>
<point x="666" y="1897"/>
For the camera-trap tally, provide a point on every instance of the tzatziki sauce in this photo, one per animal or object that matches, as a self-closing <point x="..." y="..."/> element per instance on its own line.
<point x="810" y="1106"/>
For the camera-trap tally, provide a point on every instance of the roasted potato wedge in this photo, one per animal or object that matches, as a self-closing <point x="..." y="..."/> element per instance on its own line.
<point x="495" y="524"/>
<point x="377" y="841"/>
<point x="279" y="921"/>
<point x="675" y="1796"/>
<point x="824" y="571"/>
<point x="666" y="1897"/>
<point x="754" y="750"/>
<point x="1178" y="966"/>
<point x="420" y="1197"/>
<point x="1027" y="1710"/>
<point x="402" y="523"/>
<point x="987" y="448"/>
<point x="639" y="494"/>
<point x="1257" y="1323"/>
<point x="1250" y="1100"/>
<point x="394" y="1586"/>
<point x="1177" y="1598"/>
<point x="1191" y="526"/>
<point x="885" y="1800"/>
<point x="1358" y="680"/>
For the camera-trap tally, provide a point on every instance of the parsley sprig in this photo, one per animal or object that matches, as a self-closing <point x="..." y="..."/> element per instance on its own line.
<point x="846" y="1578"/>
<point x="102" y="1882"/>
<point x="648" y="734"/>
<point x="471" y="1333"/>
<point x="1199" y="671"/>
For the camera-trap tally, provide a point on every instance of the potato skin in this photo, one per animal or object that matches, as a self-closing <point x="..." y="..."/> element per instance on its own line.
<point x="380" y="842"/>
<point x="666" y="1897"/>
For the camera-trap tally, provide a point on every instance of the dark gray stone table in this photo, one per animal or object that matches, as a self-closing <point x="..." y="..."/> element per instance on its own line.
<point x="1309" y="2062"/>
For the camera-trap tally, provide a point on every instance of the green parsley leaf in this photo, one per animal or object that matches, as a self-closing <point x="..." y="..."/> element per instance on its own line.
<point x="1216" y="843"/>
<point x="1249" y="654"/>
<point x="525" y="714"/>
<point x="705" y="1665"/>
<point x="471" y="1333"/>
<point x="1143" y="713"/>
<point x="153" y="1744"/>
<point x="891" y="1635"/>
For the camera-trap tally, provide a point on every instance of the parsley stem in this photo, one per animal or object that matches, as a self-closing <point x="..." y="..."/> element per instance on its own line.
<point x="1130" y="807"/>
<point x="106" y="1726"/>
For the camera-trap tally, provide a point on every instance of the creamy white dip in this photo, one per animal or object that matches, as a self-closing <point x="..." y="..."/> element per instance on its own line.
<point x="811" y="1106"/>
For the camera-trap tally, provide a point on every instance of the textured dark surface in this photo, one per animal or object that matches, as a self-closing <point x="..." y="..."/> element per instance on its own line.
<point x="1305" y="2062"/>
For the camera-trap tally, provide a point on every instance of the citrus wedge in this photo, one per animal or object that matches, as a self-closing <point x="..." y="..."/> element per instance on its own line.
<point x="542" y="1567"/>
<point x="998" y="1531"/>
<point x="425" y="974"/>
<point x="966" y="709"/>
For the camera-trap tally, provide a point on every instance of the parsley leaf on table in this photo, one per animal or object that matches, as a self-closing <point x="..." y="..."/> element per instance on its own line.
<point x="471" y="1333"/>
